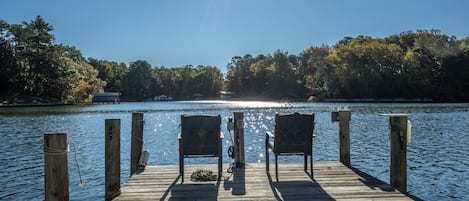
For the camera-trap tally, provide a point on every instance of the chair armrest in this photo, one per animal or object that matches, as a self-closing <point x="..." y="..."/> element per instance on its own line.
<point x="179" y="136"/>
<point x="270" y="134"/>
<point x="268" y="144"/>
<point x="222" y="135"/>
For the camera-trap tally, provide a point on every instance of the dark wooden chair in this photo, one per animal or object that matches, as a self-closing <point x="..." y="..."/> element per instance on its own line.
<point x="200" y="137"/>
<point x="293" y="136"/>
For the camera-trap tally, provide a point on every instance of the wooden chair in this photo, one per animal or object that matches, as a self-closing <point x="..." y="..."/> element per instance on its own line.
<point x="200" y="137"/>
<point x="293" y="136"/>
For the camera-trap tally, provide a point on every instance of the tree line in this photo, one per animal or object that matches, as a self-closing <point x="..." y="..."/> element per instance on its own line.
<point x="32" y="64"/>
<point x="421" y="64"/>
<point x="425" y="64"/>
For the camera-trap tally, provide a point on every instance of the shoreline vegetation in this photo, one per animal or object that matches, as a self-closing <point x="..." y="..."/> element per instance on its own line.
<point x="28" y="101"/>
<point x="420" y="66"/>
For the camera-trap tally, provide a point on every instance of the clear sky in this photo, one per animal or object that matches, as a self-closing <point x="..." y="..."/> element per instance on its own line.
<point x="173" y="33"/>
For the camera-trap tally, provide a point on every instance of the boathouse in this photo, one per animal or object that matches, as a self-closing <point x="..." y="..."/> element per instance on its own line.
<point x="106" y="97"/>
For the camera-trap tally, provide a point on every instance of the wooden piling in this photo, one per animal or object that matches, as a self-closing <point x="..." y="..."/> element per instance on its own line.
<point x="344" y="137"/>
<point x="239" y="139"/>
<point x="136" y="141"/>
<point x="399" y="134"/>
<point x="112" y="158"/>
<point x="56" y="167"/>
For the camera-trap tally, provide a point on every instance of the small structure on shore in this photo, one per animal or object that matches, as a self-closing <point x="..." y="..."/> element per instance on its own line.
<point x="106" y="97"/>
<point x="162" y="98"/>
<point x="224" y="95"/>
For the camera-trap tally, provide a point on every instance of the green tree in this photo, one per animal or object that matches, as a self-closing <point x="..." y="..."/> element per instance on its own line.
<point x="33" y="44"/>
<point x="208" y="80"/>
<point x="262" y="72"/>
<point x="454" y="83"/>
<point x="184" y="82"/>
<point x="136" y="84"/>
<point x="240" y="75"/>
<point x="38" y="67"/>
<point x="283" y="81"/>
<point x="163" y="82"/>
<point x="464" y="43"/>
<point x="71" y="78"/>
<point x="366" y="70"/>
<point x="313" y="69"/>
<point x="110" y="72"/>
<point x="9" y="68"/>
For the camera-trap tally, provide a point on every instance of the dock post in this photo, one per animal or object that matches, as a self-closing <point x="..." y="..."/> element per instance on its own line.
<point x="136" y="140"/>
<point x="398" y="177"/>
<point x="56" y="167"/>
<point x="344" y="137"/>
<point x="239" y="139"/>
<point x="112" y="158"/>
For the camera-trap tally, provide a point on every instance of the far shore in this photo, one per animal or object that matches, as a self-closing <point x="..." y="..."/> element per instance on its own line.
<point x="39" y="102"/>
<point x="28" y="101"/>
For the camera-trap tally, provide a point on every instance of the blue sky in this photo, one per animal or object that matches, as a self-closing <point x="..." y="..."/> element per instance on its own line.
<point x="209" y="32"/>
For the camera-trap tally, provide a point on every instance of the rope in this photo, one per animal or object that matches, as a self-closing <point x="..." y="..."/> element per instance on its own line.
<point x="138" y="138"/>
<point x="203" y="175"/>
<point x="231" y="155"/>
<point x="54" y="152"/>
<point x="81" y="184"/>
<point x="230" y="171"/>
<point x="231" y="151"/>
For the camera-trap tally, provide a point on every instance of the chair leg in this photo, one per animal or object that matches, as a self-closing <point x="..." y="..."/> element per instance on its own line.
<point x="276" y="167"/>
<point x="311" y="164"/>
<point x="220" y="171"/>
<point x="305" y="162"/>
<point x="181" y="167"/>
<point x="266" y="159"/>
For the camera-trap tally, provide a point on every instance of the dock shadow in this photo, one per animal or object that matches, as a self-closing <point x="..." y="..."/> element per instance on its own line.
<point x="191" y="191"/>
<point x="297" y="190"/>
<point x="374" y="183"/>
<point x="238" y="184"/>
<point x="165" y="195"/>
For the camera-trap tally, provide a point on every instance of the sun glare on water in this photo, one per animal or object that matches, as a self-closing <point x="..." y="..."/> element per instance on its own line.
<point x="250" y="104"/>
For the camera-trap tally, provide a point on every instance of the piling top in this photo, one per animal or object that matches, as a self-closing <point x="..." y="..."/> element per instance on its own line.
<point x="396" y="115"/>
<point x="55" y="133"/>
<point x="344" y="109"/>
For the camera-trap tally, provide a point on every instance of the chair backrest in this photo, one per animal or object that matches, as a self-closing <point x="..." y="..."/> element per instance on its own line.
<point x="293" y="133"/>
<point x="201" y="134"/>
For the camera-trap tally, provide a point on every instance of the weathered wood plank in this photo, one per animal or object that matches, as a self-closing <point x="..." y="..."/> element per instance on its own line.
<point x="112" y="133"/>
<point x="399" y="134"/>
<point x="136" y="143"/>
<point x="332" y="181"/>
<point x="56" y="167"/>
<point x="344" y="137"/>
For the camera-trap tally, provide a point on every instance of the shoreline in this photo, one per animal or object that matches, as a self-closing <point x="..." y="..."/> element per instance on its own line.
<point x="42" y="104"/>
<point x="28" y="101"/>
<point x="31" y="104"/>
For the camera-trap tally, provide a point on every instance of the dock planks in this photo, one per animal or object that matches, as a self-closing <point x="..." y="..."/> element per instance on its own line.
<point x="332" y="181"/>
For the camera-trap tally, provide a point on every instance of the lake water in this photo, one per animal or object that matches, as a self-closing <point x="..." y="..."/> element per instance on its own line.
<point x="438" y="160"/>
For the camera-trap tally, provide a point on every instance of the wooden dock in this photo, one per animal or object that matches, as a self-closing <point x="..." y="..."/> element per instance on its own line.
<point x="331" y="181"/>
